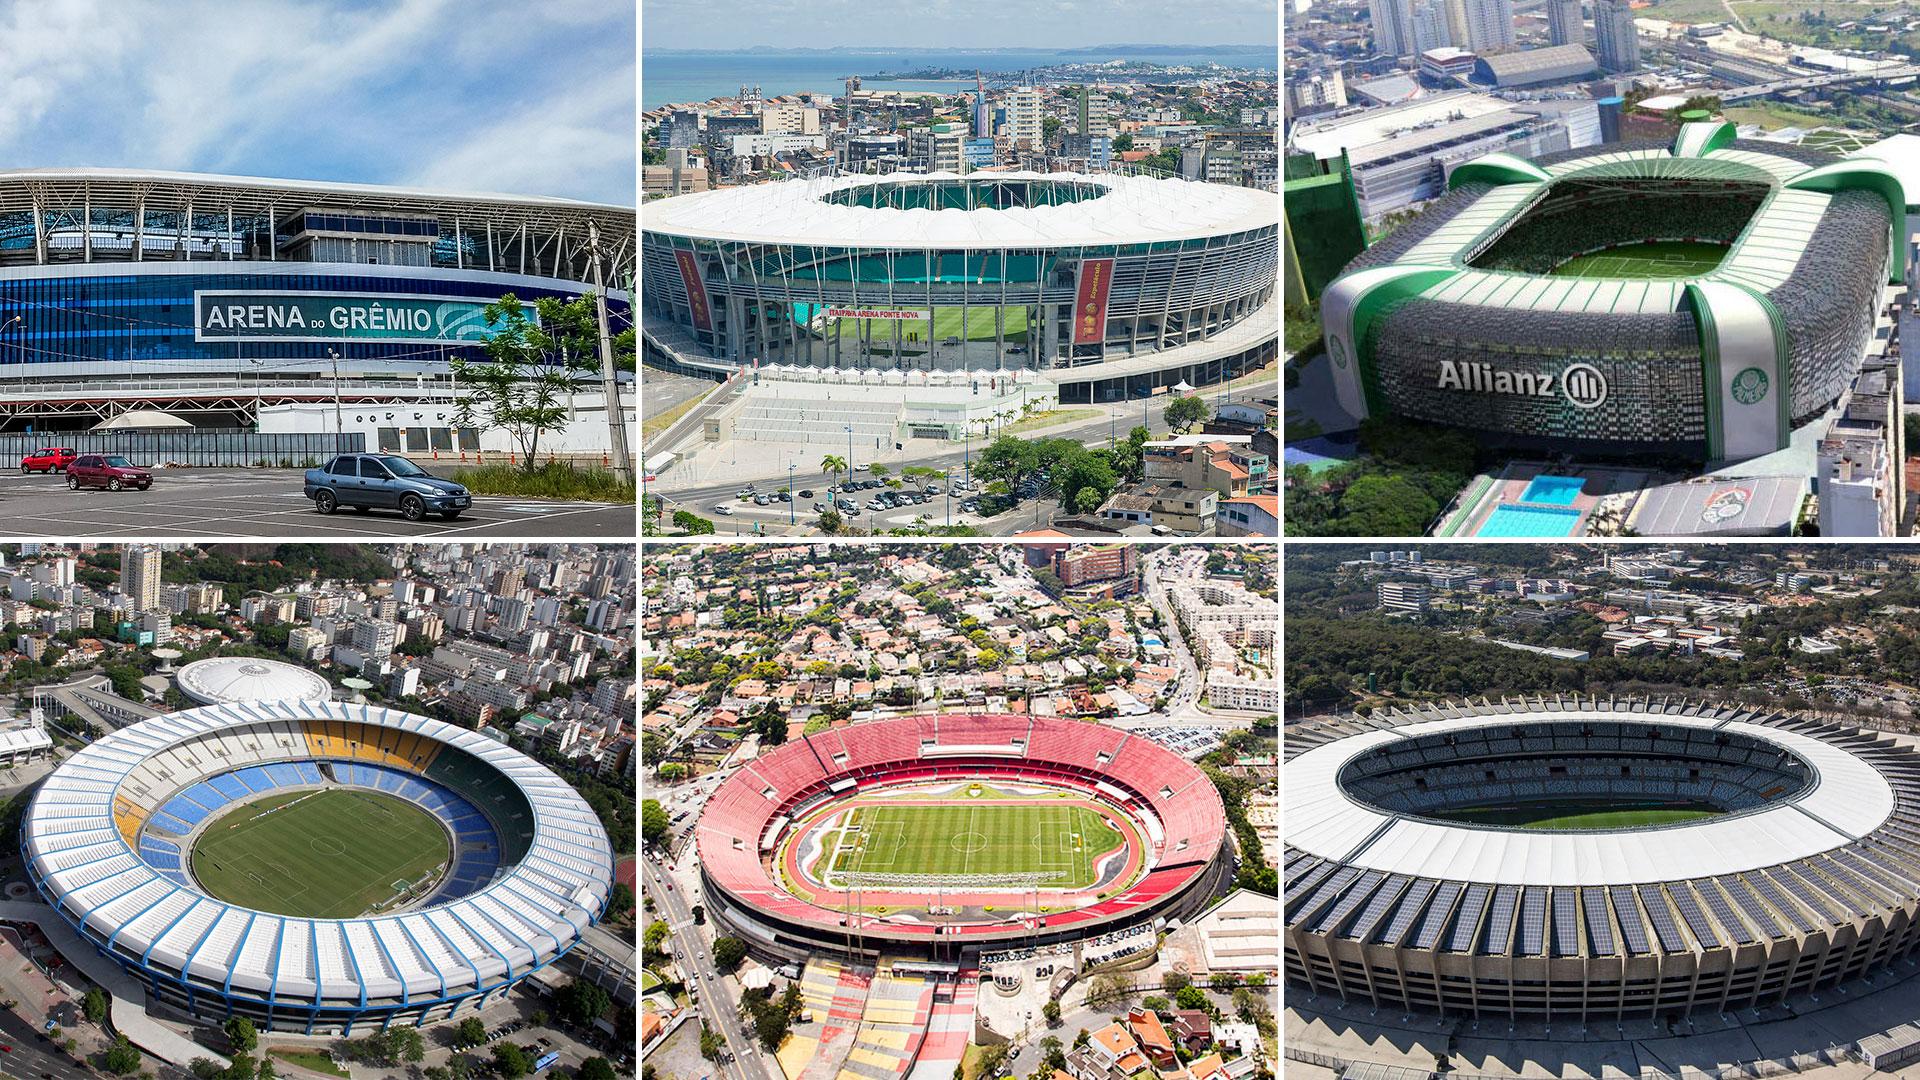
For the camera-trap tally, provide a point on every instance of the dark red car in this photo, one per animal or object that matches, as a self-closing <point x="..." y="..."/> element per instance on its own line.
<point x="110" y="471"/>
<point x="48" y="460"/>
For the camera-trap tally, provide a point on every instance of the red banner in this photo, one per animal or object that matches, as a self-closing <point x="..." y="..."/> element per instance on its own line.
<point x="1090" y="305"/>
<point x="697" y="290"/>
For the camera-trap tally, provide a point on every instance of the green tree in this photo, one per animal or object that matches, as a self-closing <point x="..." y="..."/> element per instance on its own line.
<point x="241" y="1068"/>
<point x="653" y="821"/>
<point x="1049" y="127"/>
<point x="770" y="1026"/>
<point x="728" y="952"/>
<point x="510" y="1061"/>
<point x="1183" y="412"/>
<point x="266" y="1071"/>
<point x="620" y="900"/>
<point x="1386" y="506"/>
<point x="1122" y="143"/>
<point x="581" y="1003"/>
<point x="1191" y="997"/>
<point x="1051" y="1011"/>
<point x="241" y="1034"/>
<point x="205" y="1068"/>
<point x="121" y="1058"/>
<point x="472" y="1031"/>
<point x="93" y="1004"/>
<point x="595" y="1068"/>
<point x="831" y="522"/>
<point x="709" y="1043"/>
<point x="531" y="370"/>
<point x="834" y="465"/>
<point x="692" y="524"/>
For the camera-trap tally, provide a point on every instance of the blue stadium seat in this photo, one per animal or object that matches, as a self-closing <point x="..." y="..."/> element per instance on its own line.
<point x="285" y="775"/>
<point x="256" y="778"/>
<point x="227" y="785"/>
<point x="309" y="772"/>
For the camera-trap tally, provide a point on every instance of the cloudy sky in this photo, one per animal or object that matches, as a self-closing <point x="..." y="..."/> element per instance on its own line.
<point x="956" y="24"/>
<point x="474" y="95"/>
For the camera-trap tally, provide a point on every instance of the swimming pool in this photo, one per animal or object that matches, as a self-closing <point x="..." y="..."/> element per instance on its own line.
<point x="1512" y="520"/>
<point x="1553" y="490"/>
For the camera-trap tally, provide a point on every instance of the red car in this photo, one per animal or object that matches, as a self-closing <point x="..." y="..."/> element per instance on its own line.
<point x="110" y="471"/>
<point x="49" y="460"/>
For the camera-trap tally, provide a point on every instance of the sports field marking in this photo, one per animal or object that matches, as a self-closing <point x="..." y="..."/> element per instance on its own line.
<point x="1017" y="839"/>
<point x="1653" y="260"/>
<point x="331" y="854"/>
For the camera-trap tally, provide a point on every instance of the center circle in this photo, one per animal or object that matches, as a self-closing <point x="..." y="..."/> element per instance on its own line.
<point x="1575" y="776"/>
<point x="969" y="842"/>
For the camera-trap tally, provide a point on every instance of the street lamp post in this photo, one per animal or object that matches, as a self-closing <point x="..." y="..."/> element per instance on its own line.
<point x="790" y="468"/>
<point x="849" y="428"/>
<point x="339" y="423"/>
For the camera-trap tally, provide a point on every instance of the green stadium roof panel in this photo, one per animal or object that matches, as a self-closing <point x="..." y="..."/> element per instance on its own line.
<point x="1499" y="168"/>
<point x="1698" y="138"/>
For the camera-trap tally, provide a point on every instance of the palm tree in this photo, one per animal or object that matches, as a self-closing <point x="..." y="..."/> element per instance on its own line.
<point x="833" y="463"/>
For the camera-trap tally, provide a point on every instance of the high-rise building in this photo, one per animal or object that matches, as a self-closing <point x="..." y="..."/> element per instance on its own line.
<point x="1315" y="91"/>
<point x="1563" y="23"/>
<point x="140" y="576"/>
<point x="1484" y="25"/>
<point x="1392" y="27"/>
<point x="1430" y="27"/>
<point x="1616" y="45"/>
<point x="982" y="118"/>
<point x="1024" y="114"/>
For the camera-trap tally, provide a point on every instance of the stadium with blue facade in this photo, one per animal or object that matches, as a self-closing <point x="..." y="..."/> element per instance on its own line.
<point x="209" y="298"/>
<point x="110" y="837"/>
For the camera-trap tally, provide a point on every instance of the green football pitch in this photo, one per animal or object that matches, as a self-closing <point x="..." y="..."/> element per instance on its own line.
<point x="1576" y="815"/>
<point x="1057" y="842"/>
<point x="331" y="854"/>
<point x="1656" y="259"/>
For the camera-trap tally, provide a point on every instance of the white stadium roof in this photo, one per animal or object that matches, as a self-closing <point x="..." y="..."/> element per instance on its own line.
<point x="1847" y="800"/>
<point x="1136" y="210"/>
<point x="222" y="679"/>
<point x="530" y="912"/>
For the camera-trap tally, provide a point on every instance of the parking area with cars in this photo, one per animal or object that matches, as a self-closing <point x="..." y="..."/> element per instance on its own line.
<point x="273" y="503"/>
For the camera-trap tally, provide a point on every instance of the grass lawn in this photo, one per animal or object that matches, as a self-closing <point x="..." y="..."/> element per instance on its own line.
<point x="554" y="480"/>
<point x="331" y="855"/>
<point x="985" y="837"/>
<point x="1049" y="419"/>
<point x="1656" y="259"/>
<point x="1773" y="116"/>
<point x="1576" y="815"/>
<point x="314" y="1061"/>
<point x="657" y="422"/>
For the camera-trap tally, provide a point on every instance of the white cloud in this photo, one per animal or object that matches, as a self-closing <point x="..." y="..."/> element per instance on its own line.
<point x="588" y="130"/>
<point x="363" y="90"/>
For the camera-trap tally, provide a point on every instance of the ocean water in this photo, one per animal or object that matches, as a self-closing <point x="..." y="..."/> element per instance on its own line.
<point x="675" y="77"/>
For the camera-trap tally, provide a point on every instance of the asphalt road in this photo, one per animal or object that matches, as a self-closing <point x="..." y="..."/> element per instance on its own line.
<point x="693" y="951"/>
<point x="269" y="503"/>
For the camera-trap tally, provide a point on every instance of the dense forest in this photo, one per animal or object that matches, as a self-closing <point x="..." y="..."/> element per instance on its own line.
<point x="1343" y="652"/>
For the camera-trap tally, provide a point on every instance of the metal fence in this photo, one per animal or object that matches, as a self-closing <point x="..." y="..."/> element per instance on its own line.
<point x="183" y="447"/>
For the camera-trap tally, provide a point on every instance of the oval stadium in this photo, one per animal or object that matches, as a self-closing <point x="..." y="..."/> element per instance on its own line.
<point x="1107" y="285"/>
<point x="210" y="298"/>
<point x="1595" y="860"/>
<point x="939" y="836"/>
<point x="316" y="866"/>
<point x="1700" y="298"/>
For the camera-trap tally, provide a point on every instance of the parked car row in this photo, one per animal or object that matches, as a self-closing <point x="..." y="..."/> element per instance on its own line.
<point x="110" y="471"/>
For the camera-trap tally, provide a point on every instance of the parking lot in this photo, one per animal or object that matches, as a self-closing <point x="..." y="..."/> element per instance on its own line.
<point x="853" y="499"/>
<point x="269" y="502"/>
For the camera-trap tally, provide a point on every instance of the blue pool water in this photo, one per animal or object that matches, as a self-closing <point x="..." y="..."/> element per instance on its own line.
<point x="1553" y="490"/>
<point x="1530" y="521"/>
